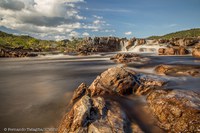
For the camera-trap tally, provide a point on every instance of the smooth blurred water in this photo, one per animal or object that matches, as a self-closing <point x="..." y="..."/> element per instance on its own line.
<point x="34" y="92"/>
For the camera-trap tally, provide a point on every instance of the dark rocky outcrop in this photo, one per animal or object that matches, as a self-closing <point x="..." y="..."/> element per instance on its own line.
<point x="99" y="44"/>
<point x="178" y="70"/>
<point x="15" y="53"/>
<point x="176" y="110"/>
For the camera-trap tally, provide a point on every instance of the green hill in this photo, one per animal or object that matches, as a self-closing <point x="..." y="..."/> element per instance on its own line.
<point x="29" y="43"/>
<point x="180" y="34"/>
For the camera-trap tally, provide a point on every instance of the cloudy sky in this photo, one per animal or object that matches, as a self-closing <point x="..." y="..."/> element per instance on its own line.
<point x="61" y="19"/>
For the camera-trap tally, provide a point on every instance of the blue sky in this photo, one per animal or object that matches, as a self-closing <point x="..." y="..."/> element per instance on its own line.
<point x="60" y="19"/>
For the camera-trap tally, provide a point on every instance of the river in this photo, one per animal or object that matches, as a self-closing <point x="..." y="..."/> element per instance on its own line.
<point x="34" y="92"/>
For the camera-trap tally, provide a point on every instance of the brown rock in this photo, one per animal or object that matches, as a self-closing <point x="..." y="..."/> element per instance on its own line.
<point x="95" y="115"/>
<point x="178" y="70"/>
<point x="161" y="51"/>
<point x="79" y="92"/>
<point x="114" y="80"/>
<point x="196" y="52"/>
<point x="128" y="58"/>
<point x="176" y="110"/>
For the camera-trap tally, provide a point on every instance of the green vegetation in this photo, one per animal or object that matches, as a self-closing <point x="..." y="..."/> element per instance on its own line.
<point x="29" y="43"/>
<point x="180" y="34"/>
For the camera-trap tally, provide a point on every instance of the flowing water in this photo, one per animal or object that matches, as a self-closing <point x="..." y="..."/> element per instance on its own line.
<point x="34" y="92"/>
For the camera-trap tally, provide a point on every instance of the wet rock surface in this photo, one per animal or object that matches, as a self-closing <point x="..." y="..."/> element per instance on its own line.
<point x="176" y="110"/>
<point x="105" y="106"/>
<point x="178" y="70"/>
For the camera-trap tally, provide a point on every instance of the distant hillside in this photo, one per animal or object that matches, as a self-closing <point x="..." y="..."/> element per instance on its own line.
<point x="180" y="34"/>
<point x="33" y="44"/>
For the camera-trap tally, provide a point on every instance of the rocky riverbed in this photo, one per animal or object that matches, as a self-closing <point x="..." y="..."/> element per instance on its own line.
<point x="123" y="99"/>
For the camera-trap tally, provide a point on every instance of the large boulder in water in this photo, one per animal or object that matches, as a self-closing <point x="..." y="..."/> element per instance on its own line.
<point x="114" y="80"/>
<point x="196" y="52"/>
<point x="173" y="51"/>
<point x="176" y="110"/>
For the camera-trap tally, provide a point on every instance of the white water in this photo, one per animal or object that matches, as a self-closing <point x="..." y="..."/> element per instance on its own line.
<point x="149" y="47"/>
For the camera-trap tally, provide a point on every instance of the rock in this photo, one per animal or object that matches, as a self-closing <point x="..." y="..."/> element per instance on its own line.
<point x="140" y="41"/>
<point x="129" y="57"/>
<point x="183" y="51"/>
<point x="184" y="41"/>
<point x="173" y="51"/>
<point x="161" y="51"/>
<point x="95" y="115"/>
<point x="196" y="52"/>
<point x="6" y="52"/>
<point x="115" y="80"/>
<point x="149" y="83"/>
<point x="99" y="44"/>
<point x="170" y="51"/>
<point x="131" y="43"/>
<point x="79" y="92"/>
<point x="176" y="110"/>
<point x="178" y="70"/>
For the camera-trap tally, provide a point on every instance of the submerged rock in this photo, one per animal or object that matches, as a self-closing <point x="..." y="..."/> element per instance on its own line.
<point x="178" y="70"/>
<point x="176" y="110"/>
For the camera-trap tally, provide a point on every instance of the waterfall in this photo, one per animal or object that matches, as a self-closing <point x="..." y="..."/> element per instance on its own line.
<point x="150" y="46"/>
<point x="123" y="45"/>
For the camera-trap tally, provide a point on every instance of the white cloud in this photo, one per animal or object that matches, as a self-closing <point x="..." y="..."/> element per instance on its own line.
<point x="74" y="34"/>
<point x="48" y="19"/>
<point x="128" y="33"/>
<point x="37" y="17"/>
<point x="86" y="34"/>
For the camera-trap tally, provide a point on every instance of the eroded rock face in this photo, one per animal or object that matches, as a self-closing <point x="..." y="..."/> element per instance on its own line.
<point x="99" y="44"/>
<point x="176" y="110"/>
<point x="114" y="80"/>
<point x="95" y="114"/>
<point x="178" y="70"/>
<point x="104" y="105"/>
<point x="129" y="57"/>
<point x="149" y="83"/>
